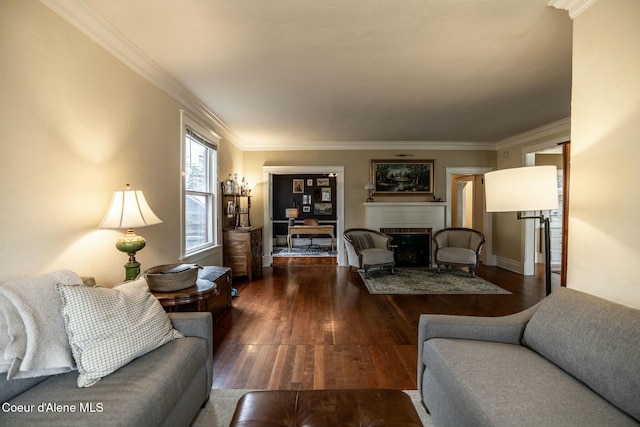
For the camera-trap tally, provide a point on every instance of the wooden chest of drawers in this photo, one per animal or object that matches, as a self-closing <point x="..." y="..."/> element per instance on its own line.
<point x="242" y="249"/>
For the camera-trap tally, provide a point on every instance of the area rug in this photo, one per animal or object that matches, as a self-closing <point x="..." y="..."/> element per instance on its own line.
<point x="222" y="403"/>
<point x="304" y="252"/>
<point x="425" y="281"/>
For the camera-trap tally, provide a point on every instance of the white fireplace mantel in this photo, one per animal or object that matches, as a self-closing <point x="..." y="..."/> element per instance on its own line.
<point x="405" y="215"/>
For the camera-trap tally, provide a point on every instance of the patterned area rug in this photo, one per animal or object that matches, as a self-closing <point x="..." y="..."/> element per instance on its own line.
<point x="222" y="403"/>
<point x="424" y="281"/>
<point x="307" y="252"/>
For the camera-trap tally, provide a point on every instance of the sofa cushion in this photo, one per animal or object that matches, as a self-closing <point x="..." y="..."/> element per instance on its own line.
<point x="142" y="393"/>
<point x="505" y="384"/>
<point x="108" y="328"/>
<point x="595" y="340"/>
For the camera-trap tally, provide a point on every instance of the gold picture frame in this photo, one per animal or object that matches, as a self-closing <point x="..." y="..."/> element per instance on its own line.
<point x="403" y="176"/>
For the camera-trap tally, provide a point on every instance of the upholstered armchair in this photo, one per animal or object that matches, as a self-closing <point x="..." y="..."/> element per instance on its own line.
<point x="368" y="249"/>
<point x="459" y="247"/>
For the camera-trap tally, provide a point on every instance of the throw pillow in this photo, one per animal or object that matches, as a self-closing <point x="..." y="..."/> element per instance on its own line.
<point x="108" y="328"/>
<point x="362" y="241"/>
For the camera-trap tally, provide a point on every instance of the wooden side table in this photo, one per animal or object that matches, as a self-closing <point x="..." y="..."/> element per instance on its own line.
<point x="212" y="292"/>
<point x="198" y="294"/>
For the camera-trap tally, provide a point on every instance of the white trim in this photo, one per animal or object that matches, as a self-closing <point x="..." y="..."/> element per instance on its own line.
<point x="574" y="7"/>
<point x="186" y="120"/>
<point x="509" y="264"/>
<point x="87" y="20"/>
<point x="367" y="145"/>
<point x="268" y="172"/>
<point x="555" y="132"/>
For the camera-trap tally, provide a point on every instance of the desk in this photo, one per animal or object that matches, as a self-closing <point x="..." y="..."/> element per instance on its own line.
<point x="310" y="229"/>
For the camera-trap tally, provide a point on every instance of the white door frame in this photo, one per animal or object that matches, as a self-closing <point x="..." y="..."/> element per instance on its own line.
<point x="489" y="257"/>
<point x="268" y="172"/>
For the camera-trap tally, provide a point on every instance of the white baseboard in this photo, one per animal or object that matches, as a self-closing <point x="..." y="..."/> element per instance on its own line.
<point x="510" y="264"/>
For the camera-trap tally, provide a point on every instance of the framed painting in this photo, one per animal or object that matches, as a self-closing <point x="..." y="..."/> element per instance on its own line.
<point x="298" y="185"/>
<point x="322" y="208"/>
<point x="402" y="176"/>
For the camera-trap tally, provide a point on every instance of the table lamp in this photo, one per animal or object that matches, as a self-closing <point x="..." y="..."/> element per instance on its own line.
<point x="532" y="188"/>
<point x="292" y="214"/>
<point x="129" y="209"/>
<point x="370" y="186"/>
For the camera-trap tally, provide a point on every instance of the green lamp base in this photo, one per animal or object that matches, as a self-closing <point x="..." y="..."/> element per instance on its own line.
<point x="130" y="244"/>
<point x="132" y="269"/>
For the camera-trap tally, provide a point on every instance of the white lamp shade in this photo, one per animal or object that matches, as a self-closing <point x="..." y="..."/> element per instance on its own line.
<point x="369" y="186"/>
<point x="521" y="189"/>
<point x="291" y="213"/>
<point x="129" y="209"/>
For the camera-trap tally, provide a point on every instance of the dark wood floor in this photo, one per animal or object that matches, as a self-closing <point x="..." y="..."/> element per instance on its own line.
<point x="309" y="324"/>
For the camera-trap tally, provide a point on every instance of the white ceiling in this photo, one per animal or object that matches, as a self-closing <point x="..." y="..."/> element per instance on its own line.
<point x="294" y="72"/>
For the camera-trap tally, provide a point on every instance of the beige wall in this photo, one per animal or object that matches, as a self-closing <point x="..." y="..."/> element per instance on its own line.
<point x="76" y="124"/>
<point x="604" y="236"/>
<point x="357" y="166"/>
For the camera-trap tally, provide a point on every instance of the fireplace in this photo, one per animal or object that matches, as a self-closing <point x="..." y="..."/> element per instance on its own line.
<point x="412" y="246"/>
<point x="411" y="224"/>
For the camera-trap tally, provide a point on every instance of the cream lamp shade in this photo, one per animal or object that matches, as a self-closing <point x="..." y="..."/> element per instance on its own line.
<point x="370" y="186"/>
<point x="292" y="214"/>
<point x="521" y="189"/>
<point x="532" y="188"/>
<point x="129" y="209"/>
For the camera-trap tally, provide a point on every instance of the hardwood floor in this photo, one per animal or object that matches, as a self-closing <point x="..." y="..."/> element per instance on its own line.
<point x="309" y="324"/>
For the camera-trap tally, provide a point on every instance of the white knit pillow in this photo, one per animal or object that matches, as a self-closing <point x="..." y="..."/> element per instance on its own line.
<point x="108" y="328"/>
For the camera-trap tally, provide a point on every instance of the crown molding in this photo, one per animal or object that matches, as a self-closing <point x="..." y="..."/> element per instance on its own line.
<point x="555" y="132"/>
<point x="87" y="20"/>
<point x="574" y="7"/>
<point x="368" y="145"/>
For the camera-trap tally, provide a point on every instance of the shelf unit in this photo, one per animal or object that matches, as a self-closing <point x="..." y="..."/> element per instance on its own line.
<point x="236" y="211"/>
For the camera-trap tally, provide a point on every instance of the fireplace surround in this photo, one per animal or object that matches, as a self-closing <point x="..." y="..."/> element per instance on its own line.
<point x="411" y="224"/>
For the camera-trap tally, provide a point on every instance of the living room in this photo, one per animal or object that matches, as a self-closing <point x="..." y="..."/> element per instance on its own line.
<point x="78" y="123"/>
<point x="82" y="124"/>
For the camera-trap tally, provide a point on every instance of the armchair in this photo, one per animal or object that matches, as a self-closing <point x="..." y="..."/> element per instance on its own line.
<point x="369" y="249"/>
<point x="458" y="247"/>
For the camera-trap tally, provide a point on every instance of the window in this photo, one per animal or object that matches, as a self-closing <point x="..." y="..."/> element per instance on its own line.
<point x="199" y="167"/>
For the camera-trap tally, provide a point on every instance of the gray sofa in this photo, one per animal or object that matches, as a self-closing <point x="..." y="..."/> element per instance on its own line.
<point x="571" y="360"/>
<point x="166" y="387"/>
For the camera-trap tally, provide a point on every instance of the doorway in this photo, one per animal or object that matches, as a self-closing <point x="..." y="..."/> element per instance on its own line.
<point x="557" y="155"/>
<point x="465" y="195"/>
<point x="268" y="174"/>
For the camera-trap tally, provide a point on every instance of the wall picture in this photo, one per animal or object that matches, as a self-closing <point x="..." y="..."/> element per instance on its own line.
<point x="323" y="209"/>
<point x="298" y="185"/>
<point x="326" y="194"/>
<point x="402" y="176"/>
<point x="322" y="182"/>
